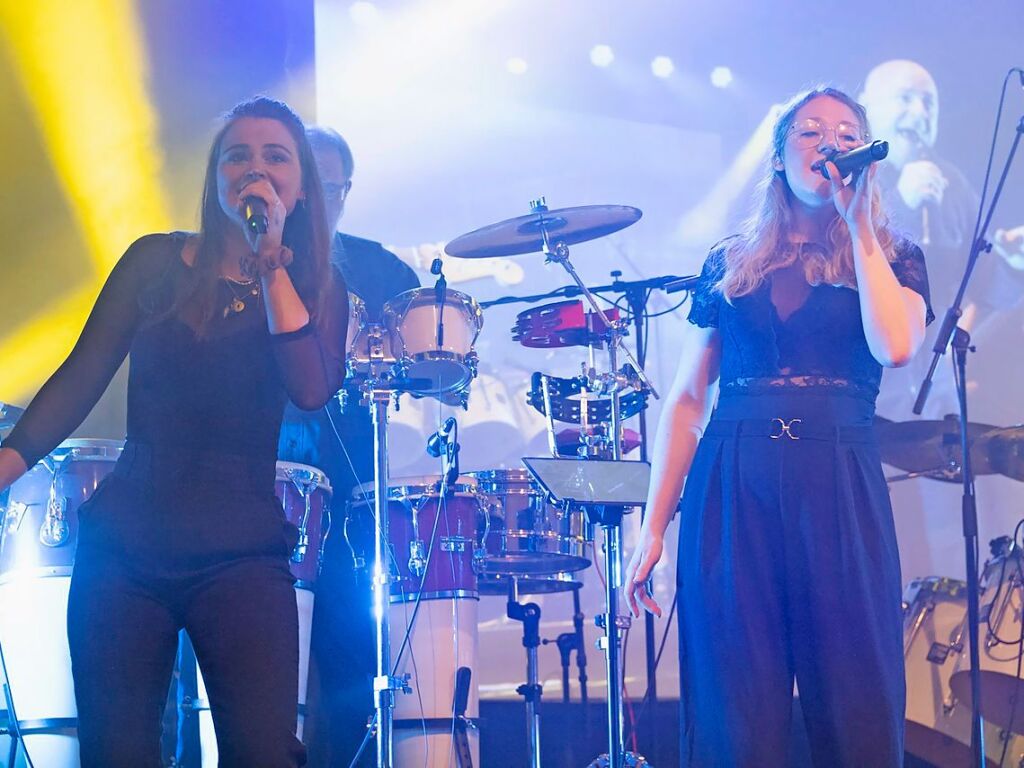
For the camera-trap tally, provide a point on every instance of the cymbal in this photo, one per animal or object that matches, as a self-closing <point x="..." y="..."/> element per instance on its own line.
<point x="1007" y="451"/>
<point x="522" y="234"/>
<point x="9" y="415"/>
<point x="932" y="448"/>
<point x="998" y="691"/>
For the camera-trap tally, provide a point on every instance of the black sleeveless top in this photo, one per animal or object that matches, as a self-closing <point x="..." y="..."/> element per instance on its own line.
<point x="821" y="345"/>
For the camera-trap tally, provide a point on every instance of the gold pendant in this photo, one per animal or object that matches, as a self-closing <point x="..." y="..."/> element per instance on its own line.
<point x="237" y="305"/>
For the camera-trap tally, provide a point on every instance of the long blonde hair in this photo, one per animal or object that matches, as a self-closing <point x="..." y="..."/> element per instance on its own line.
<point x="762" y="247"/>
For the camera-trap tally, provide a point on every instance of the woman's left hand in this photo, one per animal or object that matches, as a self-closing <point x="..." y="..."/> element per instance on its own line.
<point x="853" y="201"/>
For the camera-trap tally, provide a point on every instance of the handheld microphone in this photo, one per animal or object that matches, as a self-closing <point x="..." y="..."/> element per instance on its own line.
<point x="437" y="441"/>
<point x="255" y="212"/>
<point x="854" y="160"/>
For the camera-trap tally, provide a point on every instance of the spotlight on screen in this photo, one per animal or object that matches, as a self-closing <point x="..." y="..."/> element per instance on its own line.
<point x="721" y="77"/>
<point x="662" y="66"/>
<point x="602" y="55"/>
<point x="516" y="66"/>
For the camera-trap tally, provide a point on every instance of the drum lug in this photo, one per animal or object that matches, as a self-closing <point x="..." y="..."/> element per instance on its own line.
<point x="54" y="531"/>
<point x="455" y="543"/>
<point x="417" y="558"/>
<point x="479" y="560"/>
<point x="13" y="516"/>
<point x="301" y="547"/>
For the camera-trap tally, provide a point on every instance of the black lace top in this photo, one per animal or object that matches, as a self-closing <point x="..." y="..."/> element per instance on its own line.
<point x="821" y="344"/>
<point x="224" y="392"/>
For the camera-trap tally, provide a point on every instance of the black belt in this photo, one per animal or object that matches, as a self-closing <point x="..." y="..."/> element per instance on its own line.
<point x="779" y="428"/>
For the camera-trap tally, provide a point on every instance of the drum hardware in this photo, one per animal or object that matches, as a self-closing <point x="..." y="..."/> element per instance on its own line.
<point x="951" y="335"/>
<point x="461" y="723"/>
<point x="14" y="513"/>
<point x="9" y="415"/>
<point x="34" y="586"/>
<point x="531" y="691"/>
<point x="562" y="324"/>
<point x="551" y="232"/>
<point x="54" y="531"/>
<point x="604" y="490"/>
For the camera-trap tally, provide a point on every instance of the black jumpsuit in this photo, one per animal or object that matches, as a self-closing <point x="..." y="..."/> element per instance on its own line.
<point x="788" y="564"/>
<point x="186" y="532"/>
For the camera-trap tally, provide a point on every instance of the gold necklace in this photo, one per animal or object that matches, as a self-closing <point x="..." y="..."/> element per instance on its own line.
<point x="237" y="303"/>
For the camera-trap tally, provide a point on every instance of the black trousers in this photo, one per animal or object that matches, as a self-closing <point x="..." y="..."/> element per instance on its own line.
<point x="788" y="569"/>
<point x="198" y="542"/>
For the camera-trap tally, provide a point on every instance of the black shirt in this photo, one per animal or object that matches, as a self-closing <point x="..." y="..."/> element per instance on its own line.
<point x="820" y="345"/>
<point x="375" y="275"/>
<point x="224" y="392"/>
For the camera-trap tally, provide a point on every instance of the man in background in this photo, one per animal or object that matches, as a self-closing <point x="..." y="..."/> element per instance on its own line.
<point x="340" y="442"/>
<point x="932" y="201"/>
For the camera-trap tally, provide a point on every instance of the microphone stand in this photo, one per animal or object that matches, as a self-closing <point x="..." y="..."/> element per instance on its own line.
<point x="969" y="509"/>
<point x="636" y="296"/>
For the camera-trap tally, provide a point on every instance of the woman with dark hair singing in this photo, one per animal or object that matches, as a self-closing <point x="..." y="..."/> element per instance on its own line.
<point x="223" y="326"/>
<point x="788" y="565"/>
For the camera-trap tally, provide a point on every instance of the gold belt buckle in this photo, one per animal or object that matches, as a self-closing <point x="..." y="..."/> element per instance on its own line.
<point x="785" y="428"/>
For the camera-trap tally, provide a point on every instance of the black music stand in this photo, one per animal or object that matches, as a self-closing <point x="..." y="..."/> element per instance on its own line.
<point x="604" y="489"/>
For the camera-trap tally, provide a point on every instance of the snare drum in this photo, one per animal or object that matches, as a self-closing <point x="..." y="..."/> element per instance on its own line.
<point x="527" y="534"/>
<point x="434" y="363"/>
<point x="305" y="494"/>
<point x="435" y="542"/>
<point x="37" y="551"/>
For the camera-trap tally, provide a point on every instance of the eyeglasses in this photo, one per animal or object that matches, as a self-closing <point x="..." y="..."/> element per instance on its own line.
<point x="811" y="132"/>
<point x="337" y="192"/>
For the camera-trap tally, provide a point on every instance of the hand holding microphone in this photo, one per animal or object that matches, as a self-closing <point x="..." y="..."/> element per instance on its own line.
<point x="263" y="214"/>
<point x="853" y="160"/>
<point x="853" y="201"/>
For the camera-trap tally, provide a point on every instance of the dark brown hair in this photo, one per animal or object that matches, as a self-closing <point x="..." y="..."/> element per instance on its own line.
<point x="305" y="234"/>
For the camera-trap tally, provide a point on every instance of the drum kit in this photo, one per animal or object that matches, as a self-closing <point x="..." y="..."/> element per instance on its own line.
<point x="438" y="543"/>
<point x="938" y="714"/>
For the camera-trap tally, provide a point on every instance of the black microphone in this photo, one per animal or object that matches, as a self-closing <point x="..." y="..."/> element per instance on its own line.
<point x="440" y="293"/>
<point x="256" y="214"/>
<point x="854" y="160"/>
<point x="682" y="284"/>
<point x="437" y="441"/>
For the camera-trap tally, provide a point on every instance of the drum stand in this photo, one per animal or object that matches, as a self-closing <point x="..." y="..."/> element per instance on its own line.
<point x="385" y="684"/>
<point x="529" y="615"/>
<point x="609" y="518"/>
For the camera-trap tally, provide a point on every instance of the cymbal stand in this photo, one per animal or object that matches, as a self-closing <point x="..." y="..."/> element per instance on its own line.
<point x="611" y="521"/>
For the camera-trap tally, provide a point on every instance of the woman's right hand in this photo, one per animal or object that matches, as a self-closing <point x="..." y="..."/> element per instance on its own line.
<point x="645" y="557"/>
